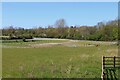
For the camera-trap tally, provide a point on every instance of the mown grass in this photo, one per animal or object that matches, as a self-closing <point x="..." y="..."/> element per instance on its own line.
<point x="20" y="43"/>
<point x="29" y="41"/>
<point x="56" y="61"/>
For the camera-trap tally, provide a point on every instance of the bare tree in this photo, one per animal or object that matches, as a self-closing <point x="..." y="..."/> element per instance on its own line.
<point x="61" y="23"/>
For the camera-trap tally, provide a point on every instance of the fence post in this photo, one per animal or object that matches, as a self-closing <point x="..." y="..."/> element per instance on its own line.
<point x="114" y="61"/>
<point x="103" y="61"/>
<point x="103" y="68"/>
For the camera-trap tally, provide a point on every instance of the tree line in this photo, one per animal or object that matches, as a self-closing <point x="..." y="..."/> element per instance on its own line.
<point x="103" y="31"/>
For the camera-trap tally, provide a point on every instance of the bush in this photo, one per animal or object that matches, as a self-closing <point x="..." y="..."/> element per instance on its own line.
<point x="24" y="40"/>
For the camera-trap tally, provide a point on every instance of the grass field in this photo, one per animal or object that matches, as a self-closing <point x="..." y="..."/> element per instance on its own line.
<point x="68" y="59"/>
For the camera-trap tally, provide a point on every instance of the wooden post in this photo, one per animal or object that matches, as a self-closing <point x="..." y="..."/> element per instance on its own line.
<point x="114" y="61"/>
<point x="103" y="61"/>
<point x="102" y="68"/>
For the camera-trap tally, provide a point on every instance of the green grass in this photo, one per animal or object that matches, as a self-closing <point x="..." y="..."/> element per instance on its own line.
<point x="4" y="36"/>
<point x="0" y="62"/>
<point x="29" y="41"/>
<point x="20" y="43"/>
<point x="56" y="61"/>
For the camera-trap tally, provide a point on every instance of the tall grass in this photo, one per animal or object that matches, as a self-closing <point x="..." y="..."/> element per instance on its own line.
<point x="55" y="62"/>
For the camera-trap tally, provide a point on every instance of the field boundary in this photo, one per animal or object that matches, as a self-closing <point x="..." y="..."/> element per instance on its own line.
<point x="110" y="64"/>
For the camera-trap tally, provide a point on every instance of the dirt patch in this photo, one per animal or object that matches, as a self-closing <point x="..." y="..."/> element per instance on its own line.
<point x="44" y="45"/>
